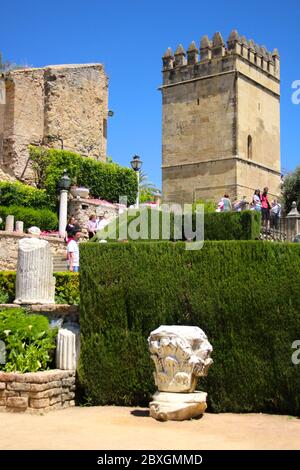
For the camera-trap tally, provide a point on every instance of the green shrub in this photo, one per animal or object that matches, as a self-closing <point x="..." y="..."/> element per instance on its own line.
<point x="245" y="295"/>
<point x="7" y="286"/>
<point x="28" y="340"/>
<point x="42" y="218"/>
<point x="66" y="287"/>
<point x="18" y="194"/>
<point x="243" y="225"/>
<point x="105" y="180"/>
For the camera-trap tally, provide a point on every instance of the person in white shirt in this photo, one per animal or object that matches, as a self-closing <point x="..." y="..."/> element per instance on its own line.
<point x="102" y="221"/>
<point x="73" y="251"/>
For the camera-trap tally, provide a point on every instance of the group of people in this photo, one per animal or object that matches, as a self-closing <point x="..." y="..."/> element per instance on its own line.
<point x="73" y="233"/>
<point x="270" y="212"/>
<point x="96" y="223"/>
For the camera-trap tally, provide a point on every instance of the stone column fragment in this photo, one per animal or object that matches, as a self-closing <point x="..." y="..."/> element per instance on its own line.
<point x="35" y="282"/>
<point x="66" y="350"/>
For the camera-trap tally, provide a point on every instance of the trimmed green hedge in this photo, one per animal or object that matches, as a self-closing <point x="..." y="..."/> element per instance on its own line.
<point x="105" y="180"/>
<point x="243" y="225"/>
<point x="18" y="194"/>
<point x="42" y="218"/>
<point x="66" y="287"/>
<point x="244" y="294"/>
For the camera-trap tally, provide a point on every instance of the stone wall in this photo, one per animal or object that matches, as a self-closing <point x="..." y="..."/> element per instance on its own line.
<point x="62" y="106"/>
<point x="37" y="391"/>
<point x="82" y="209"/>
<point x="9" y="248"/>
<point x="221" y="120"/>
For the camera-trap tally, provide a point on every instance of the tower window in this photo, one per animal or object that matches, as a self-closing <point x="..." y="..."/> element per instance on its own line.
<point x="249" y="147"/>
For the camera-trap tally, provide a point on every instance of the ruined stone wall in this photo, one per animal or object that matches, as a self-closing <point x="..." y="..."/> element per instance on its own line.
<point x="63" y="106"/>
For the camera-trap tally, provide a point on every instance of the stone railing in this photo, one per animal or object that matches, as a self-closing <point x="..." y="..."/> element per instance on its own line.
<point x="37" y="391"/>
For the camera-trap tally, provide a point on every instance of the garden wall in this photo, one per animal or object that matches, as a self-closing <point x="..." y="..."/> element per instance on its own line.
<point x="244" y="294"/>
<point x="9" y="248"/>
<point x="37" y="391"/>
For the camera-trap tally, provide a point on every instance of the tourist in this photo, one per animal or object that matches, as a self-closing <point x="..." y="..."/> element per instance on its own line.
<point x="73" y="251"/>
<point x="69" y="228"/>
<point x="102" y="220"/>
<point x="92" y="226"/>
<point x="265" y="208"/>
<point x="275" y="214"/>
<point x="256" y="202"/>
<point x="227" y="203"/>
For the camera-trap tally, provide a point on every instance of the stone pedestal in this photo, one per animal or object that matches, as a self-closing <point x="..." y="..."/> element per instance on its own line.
<point x="181" y="354"/>
<point x="63" y="212"/>
<point x="9" y="223"/>
<point x="177" y="406"/>
<point x="35" y="283"/>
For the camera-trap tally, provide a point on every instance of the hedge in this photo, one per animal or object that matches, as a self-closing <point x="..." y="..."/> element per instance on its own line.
<point x="18" y="194"/>
<point x="244" y="294"/>
<point x="243" y="225"/>
<point x="105" y="180"/>
<point x="66" y="287"/>
<point x="42" y="218"/>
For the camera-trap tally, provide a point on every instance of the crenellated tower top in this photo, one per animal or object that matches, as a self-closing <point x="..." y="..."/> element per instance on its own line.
<point x="216" y="56"/>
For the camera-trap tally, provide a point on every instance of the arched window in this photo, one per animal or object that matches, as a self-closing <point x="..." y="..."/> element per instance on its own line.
<point x="249" y="147"/>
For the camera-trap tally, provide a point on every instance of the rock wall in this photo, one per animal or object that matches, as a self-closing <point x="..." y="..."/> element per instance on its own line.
<point x="9" y="248"/>
<point x="62" y="106"/>
<point x="37" y="391"/>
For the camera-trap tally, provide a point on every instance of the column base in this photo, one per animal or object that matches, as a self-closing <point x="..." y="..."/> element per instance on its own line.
<point x="177" y="406"/>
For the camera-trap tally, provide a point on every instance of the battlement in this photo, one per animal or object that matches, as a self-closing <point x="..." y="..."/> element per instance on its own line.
<point x="216" y="57"/>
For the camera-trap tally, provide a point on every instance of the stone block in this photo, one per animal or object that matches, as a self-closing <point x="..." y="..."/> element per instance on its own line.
<point x="40" y="387"/>
<point x="18" y="386"/>
<point x="39" y="403"/>
<point x="46" y="393"/>
<point x="17" y="402"/>
<point x="2" y="385"/>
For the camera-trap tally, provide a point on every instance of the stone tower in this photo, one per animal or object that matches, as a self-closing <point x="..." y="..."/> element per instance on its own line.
<point x="221" y="120"/>
<point x="60" y="106"/>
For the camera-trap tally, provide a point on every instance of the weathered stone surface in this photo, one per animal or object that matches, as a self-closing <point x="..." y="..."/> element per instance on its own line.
<point x="39" y="402"/>
<point x="18" y="386"/>
<point x="35" y="282"/>
<point x="177" y="406"/>
<point x="9" y="248"/>
<point x="57" y="104"/>
<point x="17" y="402"/>
<point x="2" y="385"/>
<point x="46" y="393"/>
<point x="40" y="387"/>
<point x="181" y="354"/>
<point x="209" y="111"/>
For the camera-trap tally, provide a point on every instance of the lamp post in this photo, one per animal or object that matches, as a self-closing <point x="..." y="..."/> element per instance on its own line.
<point x="64" y="185"/>
<point x="136" y="165"/>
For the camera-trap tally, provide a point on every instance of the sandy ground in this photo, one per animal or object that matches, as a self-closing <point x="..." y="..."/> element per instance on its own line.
<point x="108" y="428"/>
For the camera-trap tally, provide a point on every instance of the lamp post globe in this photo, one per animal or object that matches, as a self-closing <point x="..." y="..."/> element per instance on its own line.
<point x="64" y="185"/>
<point x="65" y="181"/>
<point x="136" y="165"/>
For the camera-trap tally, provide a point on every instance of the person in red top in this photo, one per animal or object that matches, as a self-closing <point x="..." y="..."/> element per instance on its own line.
<point x="265" y="208"/>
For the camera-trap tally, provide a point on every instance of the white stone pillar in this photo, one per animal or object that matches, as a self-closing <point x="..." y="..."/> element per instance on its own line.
<point x="35" y="283"/>
<point x="63" y="212"/>
<point x="19" y="226"/>
<point x="66" y="350"/>
<point x="9" y="223"/>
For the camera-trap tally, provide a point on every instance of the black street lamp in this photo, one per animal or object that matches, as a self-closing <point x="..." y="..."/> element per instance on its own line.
<point x="136" y="165"/>
<point x="65" y="181"/>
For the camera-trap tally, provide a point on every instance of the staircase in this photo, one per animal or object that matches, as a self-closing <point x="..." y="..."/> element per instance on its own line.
<point x="59" y="264"/>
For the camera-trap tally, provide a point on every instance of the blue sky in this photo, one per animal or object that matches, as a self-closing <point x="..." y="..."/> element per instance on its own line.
<point x="130" y="36"/>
